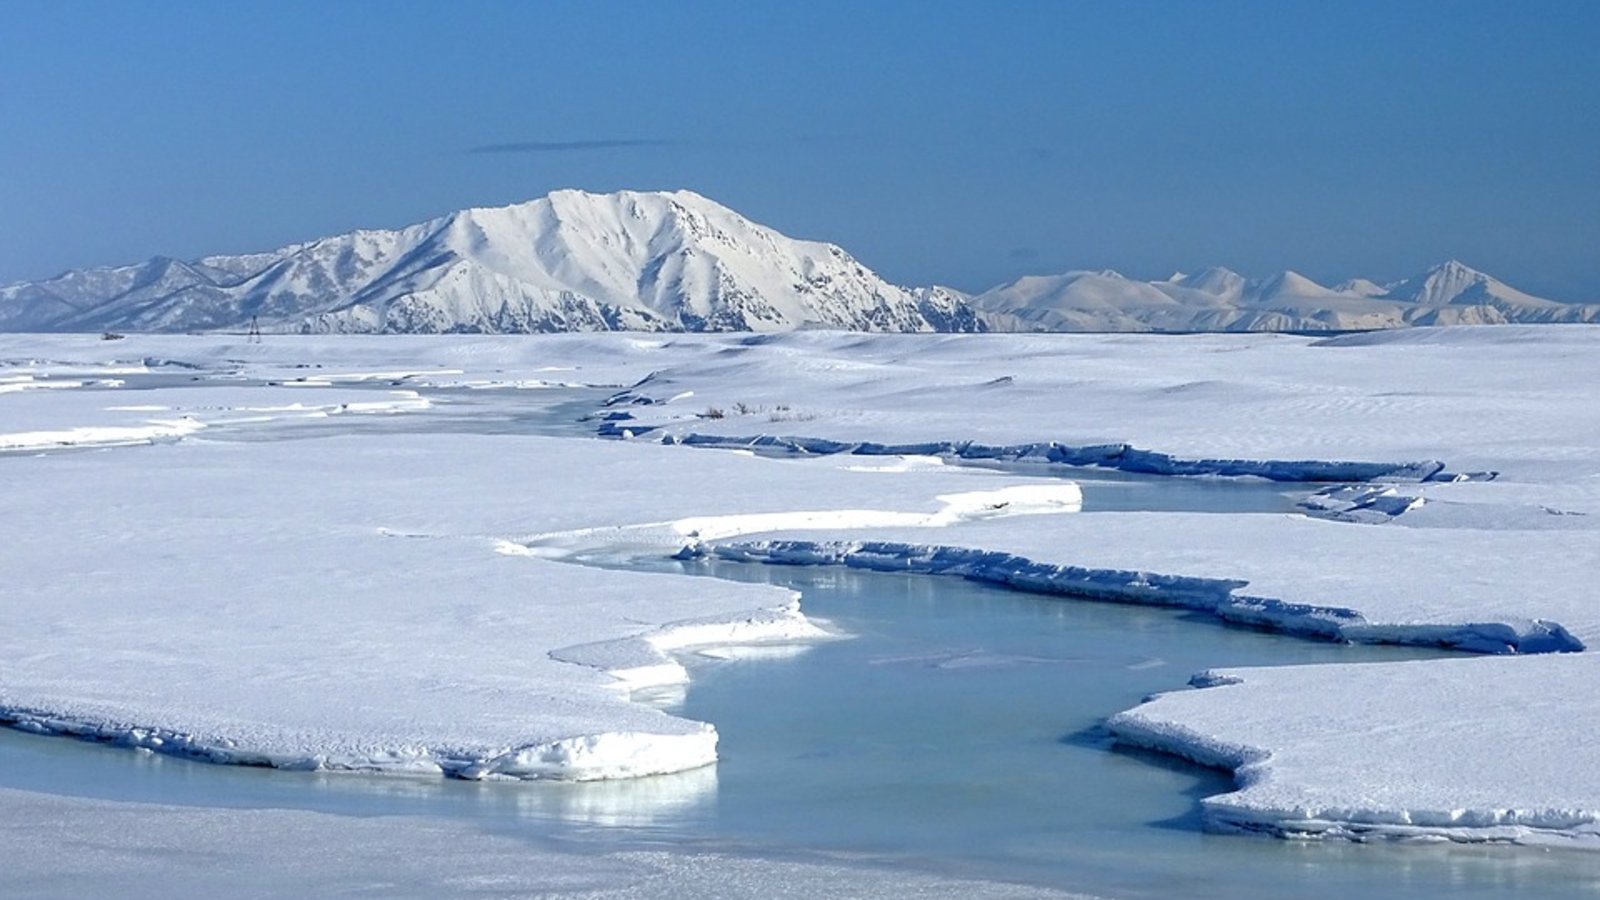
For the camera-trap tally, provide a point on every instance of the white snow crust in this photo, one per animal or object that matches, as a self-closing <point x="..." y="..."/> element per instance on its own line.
<point x="1468" y="750"/>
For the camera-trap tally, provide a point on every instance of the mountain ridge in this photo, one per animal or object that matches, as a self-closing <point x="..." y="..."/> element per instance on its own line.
<point x="676" y="261"/>
<point x="1218" y="299"/>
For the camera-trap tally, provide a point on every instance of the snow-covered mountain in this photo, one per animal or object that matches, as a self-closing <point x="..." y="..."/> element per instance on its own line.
<point x="1221" y="300"/>
<point x="571" y="261"/>
<point x="574" y="261"/>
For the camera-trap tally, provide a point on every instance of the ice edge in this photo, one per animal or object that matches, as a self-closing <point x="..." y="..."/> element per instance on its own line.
<point x="1219" y="597"/>
<point x="1118" y="456"/>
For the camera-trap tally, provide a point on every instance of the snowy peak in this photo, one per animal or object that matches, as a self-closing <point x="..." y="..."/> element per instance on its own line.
<point x="1441" y="284"/>
<point x="1289" y="284"/>
<point x="1216" y="281"/>
<point x="1453" y="283"/>
<point x="1360" y="287"/>
<point x="570" y="261"/>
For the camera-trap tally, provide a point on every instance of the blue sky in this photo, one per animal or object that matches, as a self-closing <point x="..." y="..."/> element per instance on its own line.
<point x="958" y="143"/>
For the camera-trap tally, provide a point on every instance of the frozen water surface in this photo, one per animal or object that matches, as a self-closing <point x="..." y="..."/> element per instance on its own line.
<point x="956" y="732"/>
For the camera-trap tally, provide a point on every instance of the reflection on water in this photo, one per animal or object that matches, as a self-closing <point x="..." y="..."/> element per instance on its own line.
<point x="650" y="801"/>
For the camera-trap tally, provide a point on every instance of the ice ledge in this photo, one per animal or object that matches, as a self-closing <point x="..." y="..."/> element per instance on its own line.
<point x="581" y="758"/>
<point x="636" y="662"/>
<point x="1220" y="597"/>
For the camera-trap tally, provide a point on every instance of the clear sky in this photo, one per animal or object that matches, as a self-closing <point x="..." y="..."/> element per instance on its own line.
<point x="957" y="143"/>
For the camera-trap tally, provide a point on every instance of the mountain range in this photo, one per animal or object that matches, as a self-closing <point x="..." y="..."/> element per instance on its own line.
<point x="651" y="261"/>
<point x="1218" y="299"/>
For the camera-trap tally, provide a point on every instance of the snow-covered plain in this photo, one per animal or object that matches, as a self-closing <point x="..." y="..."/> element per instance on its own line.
<point x="255" y="571"/>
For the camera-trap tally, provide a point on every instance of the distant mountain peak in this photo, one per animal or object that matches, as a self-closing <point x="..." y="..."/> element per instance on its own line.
<point x="1289" y="283"/>
<point x="1361" y="287"/>
<point x="1453" y="282"/>
<point x="1215" y="280"/>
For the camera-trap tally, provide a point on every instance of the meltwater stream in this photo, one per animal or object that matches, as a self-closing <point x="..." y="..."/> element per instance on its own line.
<point x="954" y="731"/>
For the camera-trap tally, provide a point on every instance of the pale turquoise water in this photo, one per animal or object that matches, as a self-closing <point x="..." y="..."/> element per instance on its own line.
<point x="955" y="732"/>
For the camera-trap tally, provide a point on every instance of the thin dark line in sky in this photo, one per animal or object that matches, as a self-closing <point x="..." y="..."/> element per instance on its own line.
<point x="570" y="146"/>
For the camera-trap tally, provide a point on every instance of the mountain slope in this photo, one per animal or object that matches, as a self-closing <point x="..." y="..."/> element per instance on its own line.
<point x="571" y="261"/>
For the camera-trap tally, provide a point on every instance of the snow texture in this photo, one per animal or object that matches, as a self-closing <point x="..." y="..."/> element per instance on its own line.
<point x="1480" y="535"/>
<point x="1473" y="749"/>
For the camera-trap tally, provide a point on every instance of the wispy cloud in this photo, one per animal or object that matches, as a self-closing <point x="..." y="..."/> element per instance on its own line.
<point x="571" y="146"/>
